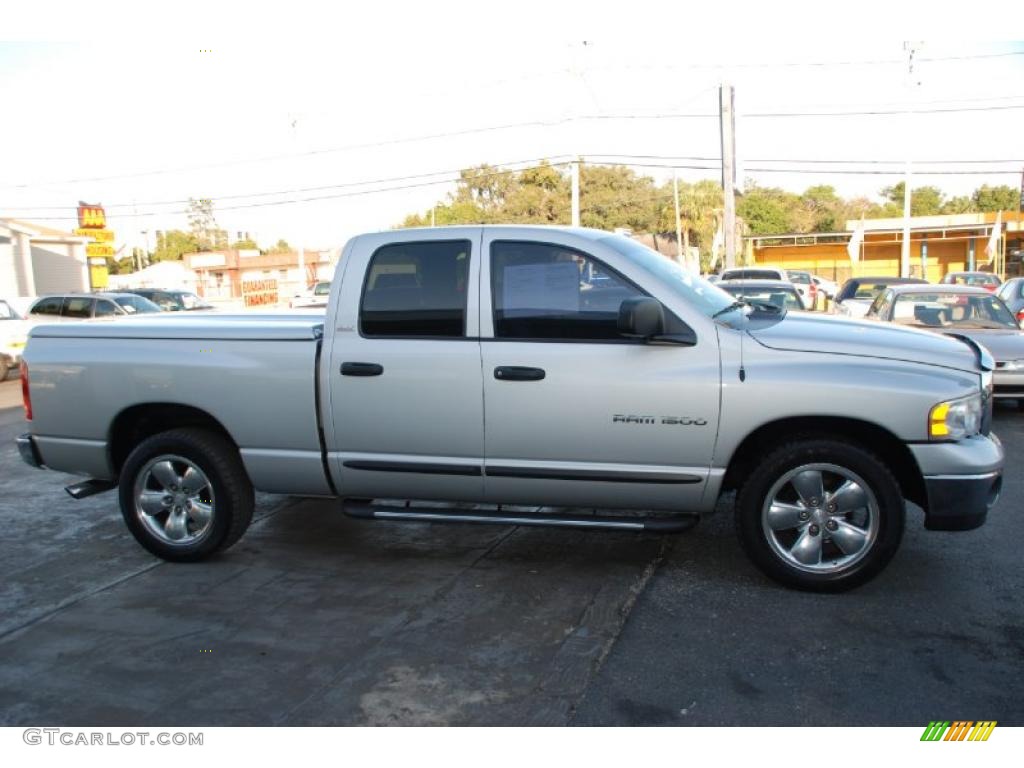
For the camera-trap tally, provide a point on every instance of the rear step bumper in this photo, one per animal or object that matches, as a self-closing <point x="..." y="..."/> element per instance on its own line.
<point x="667" y="524"/>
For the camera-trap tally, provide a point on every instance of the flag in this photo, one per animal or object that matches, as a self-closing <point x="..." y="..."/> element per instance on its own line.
<point x="853" y="247"/>
<point x="716" y="244"/>
<point x="993" y="241"/>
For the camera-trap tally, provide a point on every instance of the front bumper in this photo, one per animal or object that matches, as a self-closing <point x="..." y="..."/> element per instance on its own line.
<point x="963" y="481"/>
<point x="1007" y="384"/>
<point x="29" y="451"/>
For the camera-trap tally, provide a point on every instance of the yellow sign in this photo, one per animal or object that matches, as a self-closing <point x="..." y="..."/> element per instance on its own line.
<point x="99" y="235"/>
<point x="99" y="249"/>
<point x="98" y="277"/>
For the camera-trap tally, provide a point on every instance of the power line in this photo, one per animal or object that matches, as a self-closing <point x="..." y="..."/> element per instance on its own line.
<point x="510" y="126"/>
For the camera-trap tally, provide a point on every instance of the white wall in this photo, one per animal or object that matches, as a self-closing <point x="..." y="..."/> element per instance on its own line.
<point x="59" y="267"/>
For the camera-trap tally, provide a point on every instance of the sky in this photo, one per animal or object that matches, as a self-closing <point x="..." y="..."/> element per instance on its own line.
<point x="255" y="124"/>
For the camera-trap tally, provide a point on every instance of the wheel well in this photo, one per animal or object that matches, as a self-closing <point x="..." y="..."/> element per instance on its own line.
<point x="133" y="425"/>
<point x="880" y="441"/>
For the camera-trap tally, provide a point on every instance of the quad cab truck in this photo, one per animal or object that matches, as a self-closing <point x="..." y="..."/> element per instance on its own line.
<point x="566" y="368"/>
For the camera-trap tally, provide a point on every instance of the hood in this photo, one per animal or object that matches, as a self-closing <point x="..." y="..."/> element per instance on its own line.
<point x="812" y="332"/>
<point x="1005" y="344"/>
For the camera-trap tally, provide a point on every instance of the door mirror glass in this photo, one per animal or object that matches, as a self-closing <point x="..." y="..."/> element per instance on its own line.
<point x="642" y="318"/>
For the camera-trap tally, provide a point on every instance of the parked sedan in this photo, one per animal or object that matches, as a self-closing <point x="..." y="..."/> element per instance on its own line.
<point x="857" y="293"/>
<point x="173" y="301"/>
<point x="780" y="293"/>
<point x="964" y="311"/>
<point x="985" y="280"/>
<point x="827" y="287"/>
<point x="84" y="306"/>
<point x="1012" y="294"/>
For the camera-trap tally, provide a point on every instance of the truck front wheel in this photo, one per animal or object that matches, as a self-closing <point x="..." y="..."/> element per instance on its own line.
<point x="184" y="494"/>
<point x="820" y="515"/>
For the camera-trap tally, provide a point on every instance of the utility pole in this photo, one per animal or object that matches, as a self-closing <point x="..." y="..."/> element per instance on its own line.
<point x="727" y="119"/>
<point x="575" y="168"/>
<point x="908" y="128"/>
<point x="679" y="221"/>
<point x="298" y="212"/>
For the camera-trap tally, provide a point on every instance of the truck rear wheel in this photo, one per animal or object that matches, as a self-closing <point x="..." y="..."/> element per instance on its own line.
<point x="185" y="495"/>
<point x="820" y="515"/>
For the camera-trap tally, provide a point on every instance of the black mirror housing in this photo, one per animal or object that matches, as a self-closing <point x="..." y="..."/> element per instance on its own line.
<point x="641" y="318"/>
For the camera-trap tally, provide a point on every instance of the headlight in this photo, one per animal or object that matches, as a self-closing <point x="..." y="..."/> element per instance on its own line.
<point x="955" y="419"/>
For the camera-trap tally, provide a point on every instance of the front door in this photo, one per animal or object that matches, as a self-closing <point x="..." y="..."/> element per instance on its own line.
<point x="405" y="383"/>
<point x="575" y="413"/>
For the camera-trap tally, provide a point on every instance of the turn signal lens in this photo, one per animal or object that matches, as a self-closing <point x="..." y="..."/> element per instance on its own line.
<point x="955" y="419"/>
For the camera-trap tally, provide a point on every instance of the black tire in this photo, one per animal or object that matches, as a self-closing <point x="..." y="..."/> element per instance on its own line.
<point x="753" y="498"/>
<point x="233" y="498"/>
<point x="5" y="368"/>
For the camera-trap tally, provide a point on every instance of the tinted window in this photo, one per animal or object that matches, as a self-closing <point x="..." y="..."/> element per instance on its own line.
<point x="752" y="274"/>
<point x="800" y="277"/>
<point x="105" y="308"/>
<point x="77" y="306"/>
<point x="545" y="291"/>
<point x="416" y="289"/>
<point x="50" y="306"/>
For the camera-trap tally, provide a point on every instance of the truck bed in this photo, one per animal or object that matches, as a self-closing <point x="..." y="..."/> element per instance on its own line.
<point x="255" y="374"/>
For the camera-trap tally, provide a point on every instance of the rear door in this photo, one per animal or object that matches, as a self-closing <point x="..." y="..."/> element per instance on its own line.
<point x="405" y="393"/>
<point x="576" y="414"/>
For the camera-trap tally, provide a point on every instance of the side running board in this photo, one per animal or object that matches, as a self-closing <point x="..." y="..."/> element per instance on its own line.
<point x="666" y="524"/>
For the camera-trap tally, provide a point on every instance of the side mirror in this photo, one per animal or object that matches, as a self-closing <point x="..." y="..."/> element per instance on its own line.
<point x="641" y="318"/>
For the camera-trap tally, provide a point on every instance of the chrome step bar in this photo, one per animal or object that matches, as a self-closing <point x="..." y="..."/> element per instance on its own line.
<point x="666" y="524"/>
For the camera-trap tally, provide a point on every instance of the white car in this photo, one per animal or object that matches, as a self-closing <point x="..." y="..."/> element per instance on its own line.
<point x="857" y="294"/>
<point x="13" y="336"/>
<point x="827" y="287"/>
<point x="312" y="299"/>
<point x="801" y="280"/>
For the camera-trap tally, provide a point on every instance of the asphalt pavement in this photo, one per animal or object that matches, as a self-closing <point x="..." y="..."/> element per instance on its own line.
<point x="314" y="618"/>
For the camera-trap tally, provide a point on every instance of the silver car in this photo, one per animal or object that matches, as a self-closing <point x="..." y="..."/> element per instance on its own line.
<point x="1012" y="294"/>
<point x="964" y="311"/>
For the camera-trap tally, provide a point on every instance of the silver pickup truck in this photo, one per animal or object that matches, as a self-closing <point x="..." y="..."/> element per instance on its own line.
<point x="514" y="366"/>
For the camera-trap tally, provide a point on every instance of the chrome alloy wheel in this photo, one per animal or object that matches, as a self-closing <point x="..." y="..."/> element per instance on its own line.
<point x="174" y="500"/>
<point x="820" y="518"/>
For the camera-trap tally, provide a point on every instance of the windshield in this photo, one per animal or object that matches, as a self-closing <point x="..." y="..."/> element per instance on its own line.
<point x="322" y="289"/>
<point x="697" y="292"/>
<point x="783" y="298"/>
<point x="952" y="310"/>
<point x="133" y="304"/>
<point x="7" y="312"/>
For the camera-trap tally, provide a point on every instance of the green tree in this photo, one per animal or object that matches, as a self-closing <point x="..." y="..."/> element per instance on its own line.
<point x="769" y="211"/>
<point x="245" y="244"/>
<point x="171" y="244"/>
<point x="1001" y="198"/>
<point x="959" y="204"/>
<point x="925" y="201"/>
<point x="281" y="246"/>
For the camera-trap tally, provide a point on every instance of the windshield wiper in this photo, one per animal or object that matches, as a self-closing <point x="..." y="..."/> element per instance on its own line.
<point x="730" y="308"/>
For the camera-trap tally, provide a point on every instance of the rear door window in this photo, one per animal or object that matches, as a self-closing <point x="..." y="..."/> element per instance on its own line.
<point x="78" y="307"/>
<point x="416" y="290"/>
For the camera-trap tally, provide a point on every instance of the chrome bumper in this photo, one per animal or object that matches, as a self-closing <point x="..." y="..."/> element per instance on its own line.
<point x="29" y="452"/>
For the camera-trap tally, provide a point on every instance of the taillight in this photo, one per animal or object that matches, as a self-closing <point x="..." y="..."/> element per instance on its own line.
<point x="1020" y="316"/>
<point x="26" y="398"/>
